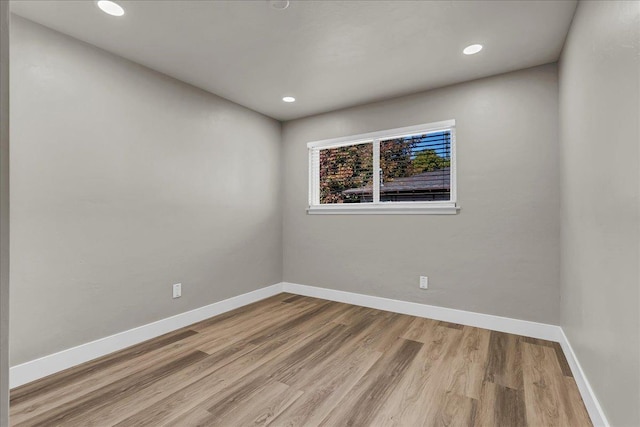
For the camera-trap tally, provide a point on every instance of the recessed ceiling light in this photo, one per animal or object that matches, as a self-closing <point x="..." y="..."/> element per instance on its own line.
<point x="111" y="8"/>
<point x="279" y="4"/>
<point x="289" y="99"/>
<point x="473" y="49"/>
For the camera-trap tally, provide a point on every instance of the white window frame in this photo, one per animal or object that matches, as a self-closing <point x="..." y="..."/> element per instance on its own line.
<point x="376" y="207"/>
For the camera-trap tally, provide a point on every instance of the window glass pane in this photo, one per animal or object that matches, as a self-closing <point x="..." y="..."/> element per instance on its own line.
<point x="346" y="174"/>
<point x="416" y="168"/>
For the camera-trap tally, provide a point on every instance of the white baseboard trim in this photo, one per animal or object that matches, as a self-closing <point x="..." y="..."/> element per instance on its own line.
<point x="486" y="321"/>
<point x="479" y="320"/>
<point x="598" y="418"/>
<point x="47" y="365"/>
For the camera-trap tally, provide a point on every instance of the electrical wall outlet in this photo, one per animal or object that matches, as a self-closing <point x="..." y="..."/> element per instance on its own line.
<point x="177" y="290"/>
<point x="424" y="282"/>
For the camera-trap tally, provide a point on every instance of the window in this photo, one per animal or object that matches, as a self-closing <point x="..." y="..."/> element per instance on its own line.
<point x="407" y="170"/>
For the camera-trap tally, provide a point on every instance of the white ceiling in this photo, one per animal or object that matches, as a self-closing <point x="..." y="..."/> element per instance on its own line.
<point x="328" y="54"/>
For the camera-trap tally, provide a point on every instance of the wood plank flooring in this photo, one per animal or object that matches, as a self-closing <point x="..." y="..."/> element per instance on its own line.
<point x="297" y="361"/>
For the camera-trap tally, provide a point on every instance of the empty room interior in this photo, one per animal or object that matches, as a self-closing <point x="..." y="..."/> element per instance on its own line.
<point x="320" y="213"/>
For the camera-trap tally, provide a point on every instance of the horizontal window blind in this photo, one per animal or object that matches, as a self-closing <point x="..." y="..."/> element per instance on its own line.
<point x="416" y="168"/>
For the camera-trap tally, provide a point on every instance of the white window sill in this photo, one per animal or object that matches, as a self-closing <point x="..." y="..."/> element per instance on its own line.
<point x="385" y="209"/>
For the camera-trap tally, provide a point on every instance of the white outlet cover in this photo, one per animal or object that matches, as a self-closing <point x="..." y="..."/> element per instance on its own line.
<point x="177" y="290"/>
<point x="424" y="282"/>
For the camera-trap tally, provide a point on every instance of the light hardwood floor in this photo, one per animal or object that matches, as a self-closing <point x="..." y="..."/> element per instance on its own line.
<point x="299" y="361"/>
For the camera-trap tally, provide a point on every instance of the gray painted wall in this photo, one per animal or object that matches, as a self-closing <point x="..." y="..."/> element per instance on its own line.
<point x="600" y="140"/>
<point x="499" y="255"/>
<point x="4" y="214"/>
<point x="125" y="181"/>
